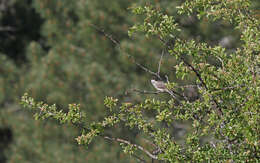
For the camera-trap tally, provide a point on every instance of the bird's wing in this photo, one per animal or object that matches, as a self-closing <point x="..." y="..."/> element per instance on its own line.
<point x="160" y="85"/>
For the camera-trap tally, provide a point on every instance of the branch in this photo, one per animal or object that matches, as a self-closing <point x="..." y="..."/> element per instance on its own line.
<point x="157" y="92"/>
<point x="144" y="91"/>
<point x="135" y="145"/>
<point x="197" y="74"/>
<point x="122" y="141"/>
<point x="172" y="91"/>
<point x="105" y="34"/>
<point x="147" y="70"/>
<point x="160" y="62"/>
<point x="138" y="64"/>
<point x="116" y="42"/>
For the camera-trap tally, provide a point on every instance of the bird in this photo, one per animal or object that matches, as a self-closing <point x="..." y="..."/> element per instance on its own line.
<point x="160" y="86"/>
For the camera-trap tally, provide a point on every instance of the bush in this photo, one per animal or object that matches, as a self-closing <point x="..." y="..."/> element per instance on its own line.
<point x="222" y="122"/>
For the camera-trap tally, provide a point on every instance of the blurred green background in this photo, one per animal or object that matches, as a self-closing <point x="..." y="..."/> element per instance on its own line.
<point x="50" y="50"/>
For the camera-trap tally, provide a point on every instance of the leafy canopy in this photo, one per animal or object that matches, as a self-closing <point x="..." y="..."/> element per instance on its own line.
<point x="226" y="113"/>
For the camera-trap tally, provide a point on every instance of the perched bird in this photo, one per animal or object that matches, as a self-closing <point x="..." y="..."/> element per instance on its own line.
<point x="161" y="87"/>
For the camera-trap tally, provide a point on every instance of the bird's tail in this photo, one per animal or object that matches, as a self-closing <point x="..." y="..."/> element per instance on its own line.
<point x="172" y="94"/>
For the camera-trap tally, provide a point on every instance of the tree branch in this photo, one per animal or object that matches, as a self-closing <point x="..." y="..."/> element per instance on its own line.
<point x="116" y="42"/>
<point x="197" y="74"/>
<point x="135" y="145"/>
<point x="160" y="62"/>
<point x="144" y="91"/>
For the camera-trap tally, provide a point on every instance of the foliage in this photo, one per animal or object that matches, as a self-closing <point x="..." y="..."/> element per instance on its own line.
<point x="223" y="121"/>
<point x="63" y="59"/>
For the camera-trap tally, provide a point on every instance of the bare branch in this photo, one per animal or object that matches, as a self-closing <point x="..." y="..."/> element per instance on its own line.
<point x="147" y="70"/>
<point x="195" y="71"/>
<point x="160" y="62"/>
<point x="116" y="42"/>
<point x="105" y="34"/>
<point x="172" y="93"/>
<point x="180" y="95"/>
<point x="135" y="145"/>
<point x="144" y="91"/>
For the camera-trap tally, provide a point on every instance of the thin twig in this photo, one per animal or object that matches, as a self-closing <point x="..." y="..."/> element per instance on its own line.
<point x="144" y="91"/>
<point x="157" y="92"/>
<point x="160" y="62"/>
<point x="105" y="34"/>
<point x="195" y="71"/>
<point x="147" y="70"/>
<point x="116" y="42"/>
<point x="135" y="145"/>
<point x="167" y="80"/>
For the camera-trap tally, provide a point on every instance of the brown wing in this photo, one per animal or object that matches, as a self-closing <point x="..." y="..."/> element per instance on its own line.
<point x="160" y="85"/>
